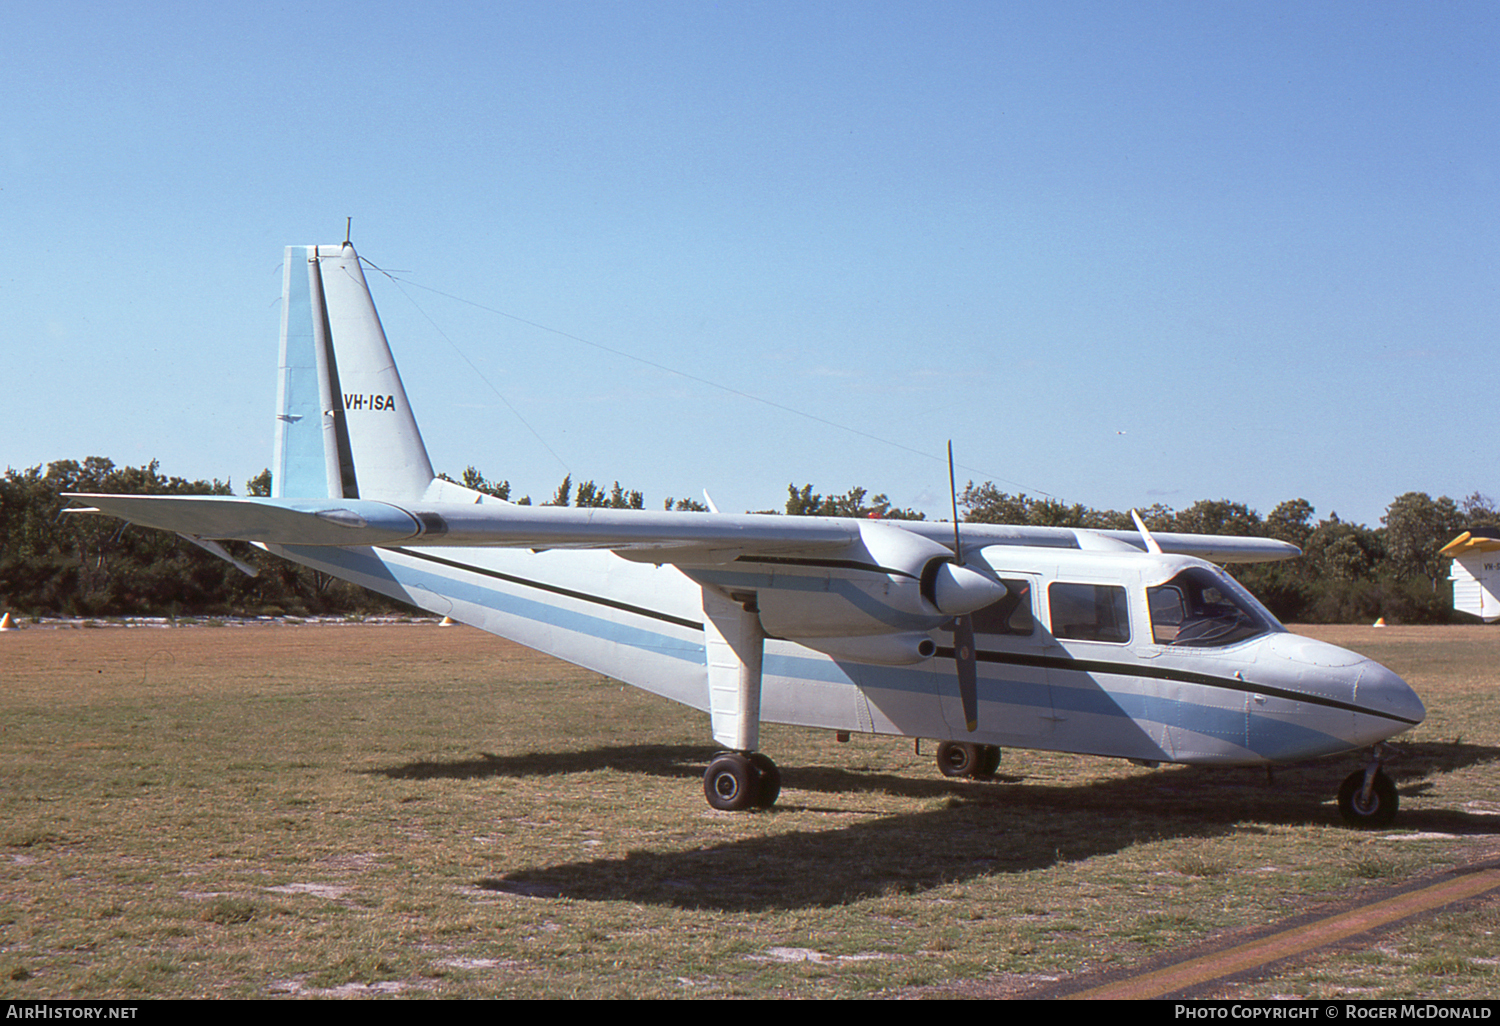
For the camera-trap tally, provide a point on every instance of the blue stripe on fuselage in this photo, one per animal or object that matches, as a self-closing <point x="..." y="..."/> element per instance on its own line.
<point x="1269" y="737"/>
<point x="488" y="597"/>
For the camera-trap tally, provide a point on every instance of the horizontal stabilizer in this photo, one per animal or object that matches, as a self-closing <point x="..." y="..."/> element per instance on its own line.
<point x="1471" y="542"/>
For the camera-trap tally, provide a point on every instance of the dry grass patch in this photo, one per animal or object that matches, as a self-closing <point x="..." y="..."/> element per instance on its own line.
<point x="408" y="810"/>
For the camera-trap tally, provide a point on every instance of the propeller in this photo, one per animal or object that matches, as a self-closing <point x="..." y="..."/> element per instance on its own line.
<point x="1140" y="525"/>
<point x="963" y="626"/>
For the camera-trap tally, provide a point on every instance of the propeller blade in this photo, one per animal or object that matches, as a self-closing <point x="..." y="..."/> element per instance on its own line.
<point x="958" y="549"/>
<point x="1140" y="525"/>
<point x="968" y="672"/>
<point x="963" y="626"/>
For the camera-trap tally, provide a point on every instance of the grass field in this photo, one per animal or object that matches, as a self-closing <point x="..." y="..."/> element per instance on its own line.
<point x="252" y="811"/>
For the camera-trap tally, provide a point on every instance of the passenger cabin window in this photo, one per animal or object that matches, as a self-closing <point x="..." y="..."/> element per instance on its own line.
<point x="1011" y="615"/>
<point x="1198" y="609"/>
<point x="1089" y="612"/>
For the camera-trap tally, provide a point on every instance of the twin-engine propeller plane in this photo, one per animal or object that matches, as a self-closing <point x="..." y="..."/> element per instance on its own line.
<point x="1112" y="643"/>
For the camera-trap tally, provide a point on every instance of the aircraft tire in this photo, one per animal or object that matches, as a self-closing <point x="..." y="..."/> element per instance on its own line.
<point x="732" y="782"/>
<point x="768" y="787"/>
<point x="989" y="761"/>
<point x="959" y="759"/>
<point x="1378" y="812"/>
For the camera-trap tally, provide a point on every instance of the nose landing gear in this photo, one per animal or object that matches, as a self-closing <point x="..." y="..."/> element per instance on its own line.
<point x="1367" y="798"/>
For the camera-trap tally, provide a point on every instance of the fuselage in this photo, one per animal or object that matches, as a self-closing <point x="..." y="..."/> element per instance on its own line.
<point x="1150" y="657"/>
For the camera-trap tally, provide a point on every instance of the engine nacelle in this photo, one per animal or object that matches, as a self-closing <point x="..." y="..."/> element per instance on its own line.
<point x="880" y="649"/>
<point x="891" y="582"/>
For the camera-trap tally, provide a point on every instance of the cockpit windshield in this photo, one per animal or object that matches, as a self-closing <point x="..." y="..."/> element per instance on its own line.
<point x="1201" y="608"/>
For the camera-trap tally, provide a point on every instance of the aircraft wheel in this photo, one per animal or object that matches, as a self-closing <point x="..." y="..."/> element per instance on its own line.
<point x="732" y="782"/>
<point x="768" y="787"/>
<point x="959" y="759"/>
<point x="989" y="761"/>
<point x="1373" y="814"/>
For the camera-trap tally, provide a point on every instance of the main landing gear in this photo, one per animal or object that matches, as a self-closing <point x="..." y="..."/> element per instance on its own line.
<point x="734" y="642"/>
<point x="961" y="759"/>
<point x="736" y="781"/>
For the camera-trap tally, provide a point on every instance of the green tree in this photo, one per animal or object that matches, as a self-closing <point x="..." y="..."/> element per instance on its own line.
<point x="1339" y="551"/>
<point x="986" y="504"/>
<point x="1218" y="517"/>
<point x="804" y="502"/>
<point x="589" y="497"/>
<point x="1291" y="521"/>
<point x="1416" y="527"/>
<point x="621" y="499"/>
<point x="260" y="484"/>
<point x="1480" y="511"/>
<point x="474" y="479"/>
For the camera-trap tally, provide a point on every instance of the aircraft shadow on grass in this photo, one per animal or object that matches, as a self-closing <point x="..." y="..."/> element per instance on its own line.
<point x="1009" y="825"/>
<point x="1419" y="760"/>
<point x="657" y="760"/>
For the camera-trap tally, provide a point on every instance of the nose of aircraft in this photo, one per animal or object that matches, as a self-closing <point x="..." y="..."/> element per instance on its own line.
<point x="1384" y="692"/>
<point x="1348" y="676"/>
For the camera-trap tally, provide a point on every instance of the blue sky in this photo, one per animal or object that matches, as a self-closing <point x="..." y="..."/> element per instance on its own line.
<point x="1120" y="253"/>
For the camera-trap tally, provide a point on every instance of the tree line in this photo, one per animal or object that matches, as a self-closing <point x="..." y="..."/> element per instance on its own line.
<point x="58" y="564"/>
<point x="1348" y="573"/>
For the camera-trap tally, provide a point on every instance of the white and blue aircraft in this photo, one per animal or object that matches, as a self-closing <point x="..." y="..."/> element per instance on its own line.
<point x="1110" y="643"/>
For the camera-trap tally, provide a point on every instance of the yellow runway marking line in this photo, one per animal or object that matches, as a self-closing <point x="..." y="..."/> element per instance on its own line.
<point x="1298" y="939"/>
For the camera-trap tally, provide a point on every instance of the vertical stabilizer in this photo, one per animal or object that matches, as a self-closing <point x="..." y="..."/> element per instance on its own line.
<point x="344" y="427"/>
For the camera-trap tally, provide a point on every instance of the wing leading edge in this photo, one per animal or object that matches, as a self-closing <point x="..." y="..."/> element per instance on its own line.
<point x="665" y="537"/>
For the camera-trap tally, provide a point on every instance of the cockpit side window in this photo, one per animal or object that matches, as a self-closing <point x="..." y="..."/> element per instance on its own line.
<point x="1088" y="612"/>
<point x="1011" y="615"/>
<point x="1197" y="609"/>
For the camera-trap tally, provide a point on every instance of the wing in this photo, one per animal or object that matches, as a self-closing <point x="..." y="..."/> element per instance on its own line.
<point x="665" y="537"/>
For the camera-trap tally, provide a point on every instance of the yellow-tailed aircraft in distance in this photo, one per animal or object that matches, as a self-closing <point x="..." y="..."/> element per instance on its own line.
<point x="1476" y="572"/>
